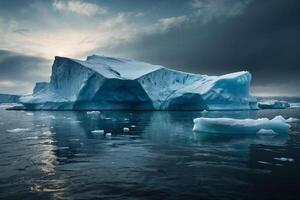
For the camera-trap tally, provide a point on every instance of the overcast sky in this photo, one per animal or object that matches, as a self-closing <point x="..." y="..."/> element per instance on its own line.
<point x="202" y="36"/>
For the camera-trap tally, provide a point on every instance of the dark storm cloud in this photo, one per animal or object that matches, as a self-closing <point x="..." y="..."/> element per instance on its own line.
<point x="264" y="39"/>
<point x="202" y="36"/>
<point x="20" y="72"/>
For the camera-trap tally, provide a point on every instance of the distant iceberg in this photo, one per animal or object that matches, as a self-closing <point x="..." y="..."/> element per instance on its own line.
<point x="9" y="98"/>
<point x="273" y="104"/>
<point x="242" y="126"/>
<point x="106" y="83"/>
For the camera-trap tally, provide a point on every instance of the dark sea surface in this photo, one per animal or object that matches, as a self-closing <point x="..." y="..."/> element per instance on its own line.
<point x="54" y="155"/>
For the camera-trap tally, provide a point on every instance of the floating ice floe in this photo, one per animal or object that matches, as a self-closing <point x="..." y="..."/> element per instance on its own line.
<point x="273" y="104"/>
<point x="242" y="126"/>
<point x="97" y="131"/>
<point x="93" y="112"/>
<point x="17" y="130"/>
<point x="292" y="120"/>
<point x="47" y="133"/>
<point x="295" y="105"/>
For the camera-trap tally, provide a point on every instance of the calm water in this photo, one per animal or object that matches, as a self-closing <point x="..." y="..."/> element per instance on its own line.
<point x="54" y="155"/>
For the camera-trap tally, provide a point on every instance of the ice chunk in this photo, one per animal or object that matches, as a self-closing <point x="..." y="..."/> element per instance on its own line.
<point x="241" y="126"/>
<point x="273" y="104"/>
<point x="93" y="112"/>
<point x="283" y="159"/>
<point x="17" y="130"/>
<point x="125" y="130"/>
<point x="97" y="131"/>
<point x="106" y="83"/>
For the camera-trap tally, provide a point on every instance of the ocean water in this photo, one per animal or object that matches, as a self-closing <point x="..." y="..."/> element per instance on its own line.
<point x="55" y="155"/>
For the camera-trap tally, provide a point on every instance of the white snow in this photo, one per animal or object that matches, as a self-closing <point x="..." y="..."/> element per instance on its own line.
<point x="17" y="130"/>
<point x="119" y="67"/>
<point x="241" y="126"/>
<point x="106" y="83"/>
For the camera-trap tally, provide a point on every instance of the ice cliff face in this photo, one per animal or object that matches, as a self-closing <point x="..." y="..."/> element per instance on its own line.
<point x="105" y="83"/>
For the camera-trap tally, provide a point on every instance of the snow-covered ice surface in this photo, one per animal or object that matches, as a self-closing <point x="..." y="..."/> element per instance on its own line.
<point x="273" y="104"/>
<point x="106" y="83"/>
<point x="242" y="126"/>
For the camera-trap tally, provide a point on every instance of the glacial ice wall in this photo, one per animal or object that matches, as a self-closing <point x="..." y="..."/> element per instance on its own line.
<point x="106" y="83"/>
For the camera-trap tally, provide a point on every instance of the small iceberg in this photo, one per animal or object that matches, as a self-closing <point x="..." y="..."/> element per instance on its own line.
<point x="242" y="126"/>
<point x="273" y="104"/>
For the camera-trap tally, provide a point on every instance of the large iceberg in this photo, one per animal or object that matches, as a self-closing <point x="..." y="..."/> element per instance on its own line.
<point x="106" y="83"/>
<point x="242" y="126"/>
